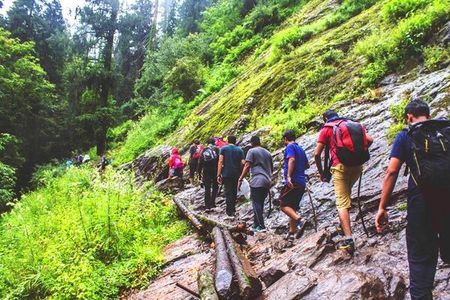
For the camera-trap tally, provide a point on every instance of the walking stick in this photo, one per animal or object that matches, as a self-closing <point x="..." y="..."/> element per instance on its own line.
<point x="360" y="209"/>
<point x="313" y="209"/>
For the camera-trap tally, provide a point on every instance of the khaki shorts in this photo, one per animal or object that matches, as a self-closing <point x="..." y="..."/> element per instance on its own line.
<point x="344" y="178"/>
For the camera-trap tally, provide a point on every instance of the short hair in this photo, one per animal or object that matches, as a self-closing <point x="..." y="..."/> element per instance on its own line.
<point x="231" y="139"/>
<point x="289" y="135"/>
<point x="211" y="141"/>
<point x="417" y="108"/>
<point x="196" y="141"/>
<point x="255" y="140"/>
<point x="330" y="114"/>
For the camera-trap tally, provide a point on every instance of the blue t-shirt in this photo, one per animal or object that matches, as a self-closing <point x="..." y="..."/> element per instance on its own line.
<point x="402" y="150"/>
<point x="232" y="158"/>
<point x="301" y="162"/>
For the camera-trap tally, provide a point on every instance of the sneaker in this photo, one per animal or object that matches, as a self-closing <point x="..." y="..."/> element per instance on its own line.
<point x="290" y="237"/>
<point x="348" y="245"/>
<point x="259" y="229"/>
<point x="300" y="228"/>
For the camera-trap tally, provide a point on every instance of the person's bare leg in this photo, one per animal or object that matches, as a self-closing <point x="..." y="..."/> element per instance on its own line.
<point x="344" y="217"/>
<point x="294" y="217"/>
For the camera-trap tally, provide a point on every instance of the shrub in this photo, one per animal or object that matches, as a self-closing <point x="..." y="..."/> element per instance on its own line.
<point x="185" y="79"/>
<point x="397" y="113"/>
<point x="435" y="56"/>
<point x="398" y="9"/>
<point x="83" y="236"/>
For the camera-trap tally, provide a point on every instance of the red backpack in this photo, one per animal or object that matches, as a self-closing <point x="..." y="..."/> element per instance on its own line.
<point x="352" y="146"/>
<point x="198" y="151"/>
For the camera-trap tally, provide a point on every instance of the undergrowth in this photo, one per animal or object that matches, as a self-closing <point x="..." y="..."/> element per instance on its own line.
<point x="82" y="236"/>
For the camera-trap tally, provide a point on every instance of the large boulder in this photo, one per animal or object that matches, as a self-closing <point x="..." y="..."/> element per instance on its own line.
<point x="152" y="165"/>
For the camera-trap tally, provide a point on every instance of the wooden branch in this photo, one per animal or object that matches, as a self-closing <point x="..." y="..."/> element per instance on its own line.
<point x="187" y="290"/>
<point x="240" y="228"/>
<point x="249" y="285"/>
<point x="188" y="214"/>
<point x="206" y="288"/>
<point x="224" y="273"/>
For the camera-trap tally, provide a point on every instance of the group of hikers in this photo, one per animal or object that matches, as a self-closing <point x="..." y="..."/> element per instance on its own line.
<point x="423" y="147"/>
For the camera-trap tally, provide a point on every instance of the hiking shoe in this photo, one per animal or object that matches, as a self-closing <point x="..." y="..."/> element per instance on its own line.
<point x="349" y="246"/>
<point x="290" y="237"/>
<point x="300" y="228"/>
<point x="259" y="229"/>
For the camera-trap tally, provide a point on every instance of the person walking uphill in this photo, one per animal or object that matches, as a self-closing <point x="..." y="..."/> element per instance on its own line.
<point x="259" y="162"/>
<point x="194" y="155"/>
<point x="424" y="148"/>
<point x="231" y="160"/>
<point x="348" y="145"/>
<point x="176" y="164"/>
<point x="207" y="168"/>
<point x="295" y="164"/>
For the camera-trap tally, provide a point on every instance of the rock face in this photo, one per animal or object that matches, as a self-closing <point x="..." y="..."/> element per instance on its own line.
<point x="311" y="267"/>
<point x="152" y="165"/>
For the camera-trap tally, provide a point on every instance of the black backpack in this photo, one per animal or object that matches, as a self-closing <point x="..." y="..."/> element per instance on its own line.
<point x="431" y="155"/>
<point x="209" y="156"/>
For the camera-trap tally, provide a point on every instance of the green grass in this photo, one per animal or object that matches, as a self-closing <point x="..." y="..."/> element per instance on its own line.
<point x="81" y="236"/>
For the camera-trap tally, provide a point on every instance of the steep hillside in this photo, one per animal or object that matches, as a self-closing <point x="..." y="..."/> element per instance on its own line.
<point x="326" y="52"/>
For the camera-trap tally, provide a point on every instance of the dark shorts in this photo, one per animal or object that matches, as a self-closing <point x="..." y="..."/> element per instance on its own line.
<point x="291" y="197"/>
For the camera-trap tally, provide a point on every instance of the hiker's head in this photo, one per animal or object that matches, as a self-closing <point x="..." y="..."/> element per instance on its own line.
<point x="174" y="151"/>
<point x="211" y="141"/>
<point x="231" y="139"/>
<point x="329" y="114"/>
<point x="197" y="142"/>
<point x="417" y="110"/>
<point x="255" y="141"/>
<point x="288" y="136"/>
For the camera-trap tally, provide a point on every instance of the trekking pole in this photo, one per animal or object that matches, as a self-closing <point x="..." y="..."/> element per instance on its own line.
<point x="360" y="209"/>
<point x="313" y="208"/>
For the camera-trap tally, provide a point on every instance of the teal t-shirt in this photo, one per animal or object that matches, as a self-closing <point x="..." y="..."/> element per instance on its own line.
<point x="232" y="158"/>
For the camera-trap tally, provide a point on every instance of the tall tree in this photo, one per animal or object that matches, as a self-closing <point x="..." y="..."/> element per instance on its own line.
<point x="42" y="22"/>
<point x="133" y="34"/>
<point x="101" y="17"/>
<point x="191" y="14"/>
<point x="169" y="21"/>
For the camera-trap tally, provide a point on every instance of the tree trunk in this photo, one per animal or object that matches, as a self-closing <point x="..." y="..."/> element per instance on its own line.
<point x="249" y="285"/>
<point x="106" y="82"/>
<point x="240" y="228"/>
<point x="224" y="273"/>
<point x="206" y="288"/>
<point x="189" y="215"/>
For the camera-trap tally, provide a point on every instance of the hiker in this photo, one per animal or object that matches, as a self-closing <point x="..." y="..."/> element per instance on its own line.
<point x="207" y="170"/>
<point x="194" y="155"/>
<point x="260" y="164"/>
<point x="428" y="210"/>
<point x="295" y="164"/>
<point x="231" y="160"/>
<point x="176" y="164"/>
<point x="220" y="143"/>
<point x="103" y="163"/>
<point x="347" y="143"/>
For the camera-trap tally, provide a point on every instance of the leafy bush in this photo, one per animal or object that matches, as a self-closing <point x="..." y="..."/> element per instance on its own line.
<point x="7" y="185"/>
<point x="83" y="236"/>
<point x="185" y="78"/>
<point x="389" y="51"/>
<point x="435" y="56"/>
<point x="397" y="112"/>
<point x="398" y="9"/>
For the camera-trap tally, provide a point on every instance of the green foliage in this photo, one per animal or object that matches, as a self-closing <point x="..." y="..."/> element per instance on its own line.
<point x="398" y="9"/>
<point x="185" y="79"/>
<point x="84" y="236"/>
<point x="7" y="185"/>
<point x="389" y="51"/>
<point x="398" y="114"/>
<point x="435" y="57"/>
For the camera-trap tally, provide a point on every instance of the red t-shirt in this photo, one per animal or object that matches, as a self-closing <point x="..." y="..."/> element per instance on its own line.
<point x="326" y="138"/>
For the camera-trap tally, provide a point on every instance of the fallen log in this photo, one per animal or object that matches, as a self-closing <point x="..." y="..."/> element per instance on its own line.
<point x="239" y="228"/>
<point x="206" y="288"/>
<point x="224" y="273"/>
<point x="188" y="214"/>
<point x="249" y="285"/>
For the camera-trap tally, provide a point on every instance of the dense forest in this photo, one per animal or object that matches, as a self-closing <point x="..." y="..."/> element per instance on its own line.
<point x="124" y="77"/>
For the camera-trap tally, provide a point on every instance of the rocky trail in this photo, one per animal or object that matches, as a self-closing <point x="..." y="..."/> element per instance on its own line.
<point x="311" y="267"/>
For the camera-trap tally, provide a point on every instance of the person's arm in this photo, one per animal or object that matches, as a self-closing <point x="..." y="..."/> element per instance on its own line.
<point x="244" y="172"/>
<point x="388" y="186"/>
<point x="219" y="169"/>
<point x="291" y="167"/>
<point x="369" y="139"/>
<point x="318" y="159"/>
<point x="200" y="168"/>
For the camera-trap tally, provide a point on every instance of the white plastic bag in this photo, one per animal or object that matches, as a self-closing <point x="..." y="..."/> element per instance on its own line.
<point x="245" y="189"/>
